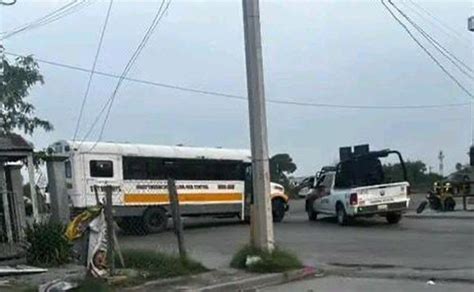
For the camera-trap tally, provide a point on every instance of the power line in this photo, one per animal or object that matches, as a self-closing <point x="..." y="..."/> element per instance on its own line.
<point x="55" y="15"/>
<point x="433" y="58"/>
<point x="443" y="24"/>
<point x="464" y="42"/>
<point x="8" y="3"/>
<point x="244" y="98"/>
<point x="440" y="48"/>
<point x="99" y="46"/>
<point x="46" y="19"/>
<point x="156" y="20"/>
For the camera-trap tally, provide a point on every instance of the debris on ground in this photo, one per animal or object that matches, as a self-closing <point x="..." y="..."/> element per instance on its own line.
<point x="252" y="260"/>
<point x="19" y="270"/>
<point x="57" y="285"/>
<point x="431" y="282"/>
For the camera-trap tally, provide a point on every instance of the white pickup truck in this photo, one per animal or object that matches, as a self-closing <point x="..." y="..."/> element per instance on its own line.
<point x="358" y="187"/>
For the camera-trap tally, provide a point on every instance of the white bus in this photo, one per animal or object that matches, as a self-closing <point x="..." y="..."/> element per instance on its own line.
<point x="210" y="181"/>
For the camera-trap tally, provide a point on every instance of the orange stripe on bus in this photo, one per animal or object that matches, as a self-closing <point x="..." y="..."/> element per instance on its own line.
<point x="196" y="197"/>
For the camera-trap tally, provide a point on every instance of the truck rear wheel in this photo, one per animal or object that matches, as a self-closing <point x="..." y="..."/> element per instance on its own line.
<point x="155" y="219"/>
<point x="342" y="218"/>
<point x="393" y="218"/>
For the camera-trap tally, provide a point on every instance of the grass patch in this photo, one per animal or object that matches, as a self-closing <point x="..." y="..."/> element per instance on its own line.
<point x="160" y="265"/>
<point x="92" y="284"/>
<point x="279" y="260"/>
<point x="48" y="247"/>
<point x="142" y="266"/>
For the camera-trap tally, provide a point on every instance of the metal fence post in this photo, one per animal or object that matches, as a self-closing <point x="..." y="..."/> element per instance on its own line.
<point x="109" y="218"/>
<point x="176" y="214"/>
<point x="6" y="204"/>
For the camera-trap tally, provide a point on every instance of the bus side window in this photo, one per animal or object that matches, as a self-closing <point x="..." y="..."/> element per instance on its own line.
<point x="101" y="168"/>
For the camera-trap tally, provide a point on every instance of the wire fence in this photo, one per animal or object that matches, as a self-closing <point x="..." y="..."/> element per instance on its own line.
<point x="94" y="231"/>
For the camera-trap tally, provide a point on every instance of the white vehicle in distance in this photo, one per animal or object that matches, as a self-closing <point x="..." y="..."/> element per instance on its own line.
<point x="358" y="188"/>
<point x="305" y="187"/>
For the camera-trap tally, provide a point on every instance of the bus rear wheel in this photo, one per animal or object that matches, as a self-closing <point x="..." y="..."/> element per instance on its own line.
<point x="155" y="220"/>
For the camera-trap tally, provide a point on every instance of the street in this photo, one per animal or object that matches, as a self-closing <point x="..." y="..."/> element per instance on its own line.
<point x="414" y="245"/>
<point x="362" y="285"/>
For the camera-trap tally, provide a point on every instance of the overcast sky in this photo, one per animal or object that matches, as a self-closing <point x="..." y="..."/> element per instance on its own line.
<point x="340" y="52"/>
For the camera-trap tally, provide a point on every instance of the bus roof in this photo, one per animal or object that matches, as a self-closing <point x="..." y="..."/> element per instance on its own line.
<point x="146" y="150"/>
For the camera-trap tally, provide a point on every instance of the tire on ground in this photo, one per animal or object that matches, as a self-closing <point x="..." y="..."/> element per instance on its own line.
<point x="155" y="220"/>
<point x="393" y="218"/>
<point x="278" y="209"/>
<point x="342" y="218"/>
<point x="449" y="204"/>
<point x="312" y="216"/>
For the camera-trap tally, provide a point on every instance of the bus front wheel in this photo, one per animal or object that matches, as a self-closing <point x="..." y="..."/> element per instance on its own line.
<point x="278" y="210"/>
<point x="155" y="220"/>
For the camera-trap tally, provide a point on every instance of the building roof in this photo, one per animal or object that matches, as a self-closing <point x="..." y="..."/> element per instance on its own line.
<point x="14" y="142"/>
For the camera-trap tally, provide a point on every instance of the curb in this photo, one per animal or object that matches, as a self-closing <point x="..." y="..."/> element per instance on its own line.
<point x="161" y="282"/>
<point x="401" y="274"/>
<point x="263" y="280"/>
<point x="421" y="216"/>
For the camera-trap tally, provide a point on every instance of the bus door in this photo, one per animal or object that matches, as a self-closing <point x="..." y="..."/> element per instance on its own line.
<point x="102" y="170"/>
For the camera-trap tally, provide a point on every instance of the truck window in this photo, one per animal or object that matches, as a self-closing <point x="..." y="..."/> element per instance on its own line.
<point x="325" y="181"/>
<point x="101" y="168"/>
<point x="344" y="177"/>
<point x="358" y="173"/>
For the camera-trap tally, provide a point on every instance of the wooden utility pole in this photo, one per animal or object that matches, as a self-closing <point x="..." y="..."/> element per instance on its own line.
<point x="109" y="219"/>
<point x="261" y="214"/>
<point x="176" y="214"/>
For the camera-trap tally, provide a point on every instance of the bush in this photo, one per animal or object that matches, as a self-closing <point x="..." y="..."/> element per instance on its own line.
<point x="47" y="244"/>
<point x="278" y="260"/>
<point x="160" y="264"/>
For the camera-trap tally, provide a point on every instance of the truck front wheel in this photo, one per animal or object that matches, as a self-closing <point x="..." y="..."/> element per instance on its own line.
<point x="312" y="216"/>
<point x="394" y="218"/>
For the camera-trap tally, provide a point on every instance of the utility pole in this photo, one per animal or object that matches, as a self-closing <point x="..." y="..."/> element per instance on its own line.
<point x="261" y="213"/>
<point x="441" y="162"/>
<point x="470" y="27"/>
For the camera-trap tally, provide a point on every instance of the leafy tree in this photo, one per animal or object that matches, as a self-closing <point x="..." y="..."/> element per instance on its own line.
<point x="16" y="80"/>
<point x="459" y="166"/>
<point x="416" y="173"/>
<point x="282" y="165"/>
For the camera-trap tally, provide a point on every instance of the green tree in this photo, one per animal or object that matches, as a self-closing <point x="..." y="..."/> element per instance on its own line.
<point x="282" y="165"/>
<point x="16" y="80"/>
<point x="416" y="173"/>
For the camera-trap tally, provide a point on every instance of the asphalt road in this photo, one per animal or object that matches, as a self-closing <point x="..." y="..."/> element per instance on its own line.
<point x="419" y="244"/>
<point x="350" y="284"/>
